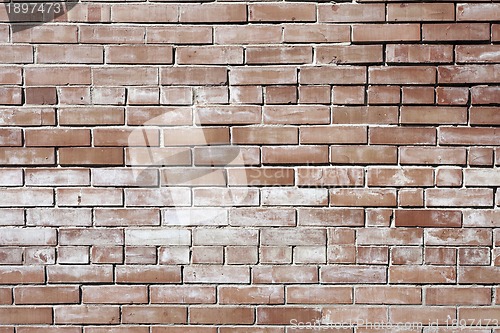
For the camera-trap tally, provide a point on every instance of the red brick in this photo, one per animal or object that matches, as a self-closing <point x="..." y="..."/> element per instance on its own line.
<point x="183" y="294"/>
<point x="221" y="315"/>
<point x="296" y="114"/>
<point x="250" y="34"/>
<point x="70" y="54"/>
<point x="210" y="55"/>
<point x="402" y="75"/>
<point x="92" y="116"/>
<point x="353" y="274"/>
<point x="428" y="155"/>
<point x="407" y="177"/>
<point x="455" y="32"/>
<point x="318" y="295"/>
<point x="408" y="12"/>
<point x="466" y="237"/>
<point x="468" y="135"/>
<point x="179" y="34"/>
<point x="286" y="12"/>
<point x="57" y="137"/>
<point x="25" y="315"/>
<point x="295" y="155"/>
<point x="417" y="274"/>
<point x="83" y="314"/>
<point x="114" y="294"/>
<point x="134" y="54"/>
<point x="485" y="95"/>
<point x="117" y="75"/>
<point x="404" y="53"/>
<point x="339" y="75"/>
<point x="280" y="95"/>
<point x="469" y="197"/>
<point x="403" y="136"/>
<point x="27" y="116"/>
<point x="428" y="218"/>
<point x="333" y="134"/>
<point x="385" y="32"/>
<point x="22" y="275"/>
<point x="390" y="236"/>
<point x="91" y="156"/>
<point x="469" y="74"/>
<point x="284" y="274"/>
<point x="160" y="13"/>
<point x="216" y="274"/>
<point x="477" y="11"/>
<point x="286" y="315"/>
<point x="316" y="33"/>
<point x="348" y="54"/>
<point x="452" y="95"/>
<point x="351" y="13"/>
<point x="46" y="295"/>
<point x="80" y="274"/>
<point x="225" y="12"/>
<point x="147" y="274"/>
<point x="50" y="76"/>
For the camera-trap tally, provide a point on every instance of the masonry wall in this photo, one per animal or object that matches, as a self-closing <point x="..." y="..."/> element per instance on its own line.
<point x="247" y="167"/>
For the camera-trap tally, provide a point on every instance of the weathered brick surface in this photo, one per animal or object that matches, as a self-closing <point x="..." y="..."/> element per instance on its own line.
<point x="244" y="166"/>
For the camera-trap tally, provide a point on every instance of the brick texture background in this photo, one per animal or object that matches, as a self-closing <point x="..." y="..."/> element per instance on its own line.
<point x="239" y="167"/>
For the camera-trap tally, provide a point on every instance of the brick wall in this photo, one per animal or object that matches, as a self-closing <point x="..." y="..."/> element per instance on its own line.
<point x="243" y="167"/>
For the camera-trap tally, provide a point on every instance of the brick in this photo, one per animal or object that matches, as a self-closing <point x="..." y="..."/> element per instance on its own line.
<point x="225" y="237"/>
<point x="452" y="95"/>
<point x="477" y="53"/>
<point x="124" y="177"/>
<point x="25" y="315"/>
<point x="50" y="76"/>
<point x="404" y="53"/>
<point x="157" y="237"/>
<point x="143" y="95"/>
<point x="92" y="116"/>
<point x="481" y="218"/>
<point x="351" y="13"/>
<point x="463" y="237"/>
<point x="80" y="274"/>
<point x="296" y="114"/>
<point x="333" y="134"/>
<point x="421" y="12"/>
<point x="58" y="217"/>
<point x="402" y="136"/>
<point x="216" y="274"/>
<point x="363" y="154"/>
<point x="251" y="34"/>
<point x="40" y="95"/>
<point x="262" y="75"/>
<point x="477" y="11"/>
<point x="388" y="295"/>
<point x="422" y="314"/>
<point x="478" y="275"/>
<point x="469" y="74"/>
<point x="280" y="95"/>
<point x="184" y="34"/>
<point x="45" y="34"/>
<point x="284" y="274"/>
<point x="226" y="155"/>
<point x="348" y="95"/>
<point x="46" y="295"/>
<point x="407" y="177"/>
<point x="147" y="274"/>
<point x="11" y="96"/>
<point x="6" y="294"/>
<point x="83" y="314"/>
<point x="222" y="315"/>
<point x="296" y="196"/>
<point x="465" y="136"/>
<point x="114" y="294"/>
<point x="227" y="12"/>
<point x="117" y="75"/>
<point x="402" y="75"/>
<point x="22" y="275"/>
<point x="245" y="94"/>
<point x="91" y="237"/>
<point x="342" y="314"/>
<point x="292" y="237"/>
<point x="485" y="95"/>
<point x="318" y="295"/>
<point x="182" y="294"/>
<point x="17" y="54"/>
<point x="417" y="274"/>
<point x="194" y="216"/>
<point x="316" y="33"/>
<point x="330" y="176"/>
<point x="363" y="197"/>
<point x="286" y="315"/>
<point x="246" y="217"/>
<point x="11" y="75"/>
<point x="469" y="197"/>
<point x="390" y="236"/>
<point x="105" y="137"/>
<point x="353" y="274"/>
<point x="286" y="12"/>
<point x="27" y="116"/>
<point x="431" y="156"/>
<point x="448" y="177"/>
<point x="264" y="135"/>
<point x="295" y="155"/>
<point x="225" y="197"/>
<point x="455" y="32"/>
<point x="481" y="177"/>
<point x="210" y="55"/>
<point x="428" y="218"/>
<point x="151" y="54"/>
<point x="70" y="54"/>
<point x="159" y="13"/>
<point x="59" y="137"/>
<point x="91" y="156"/>
<point x="251" y="295"/>
<point x="333" y="74"/>
<point x="385" y="32"/>
<point x="27" y="236"/>
<point x="314" y="94"/>
<point x="109" y="95"/>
